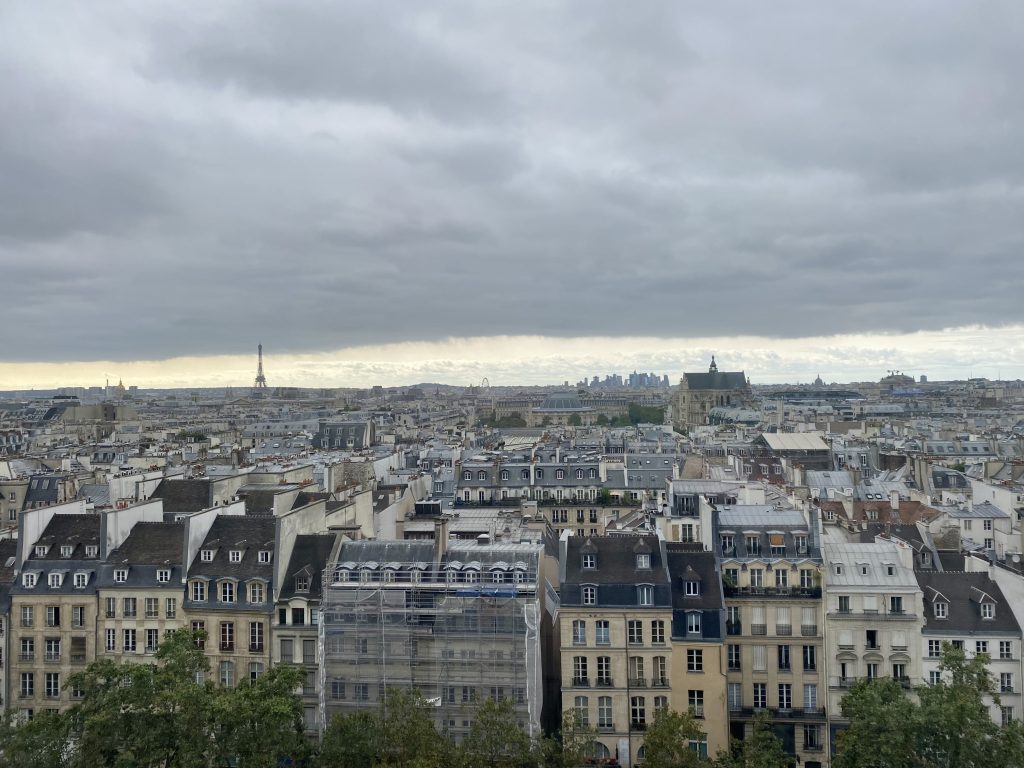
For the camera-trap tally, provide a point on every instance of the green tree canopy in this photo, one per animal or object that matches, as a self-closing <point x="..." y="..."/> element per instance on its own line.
<point x="667" y="740"/>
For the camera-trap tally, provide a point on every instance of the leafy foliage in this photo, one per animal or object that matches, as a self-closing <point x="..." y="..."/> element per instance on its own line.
<point x="667" y="741"/>
<point x="762" y="749"/>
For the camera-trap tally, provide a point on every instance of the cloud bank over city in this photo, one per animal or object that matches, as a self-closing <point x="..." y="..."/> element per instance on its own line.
<point x="560" y="189"/>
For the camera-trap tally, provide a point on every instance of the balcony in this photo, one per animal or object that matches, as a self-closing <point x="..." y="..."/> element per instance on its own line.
<point x="256" y="647"/>
<point x="659" y="682"/>
<point x="807" y="713"/>
<point x="111" y="614"/>
<point x="812" y="746"/>
<point x="604" y="682"/>
<point x="605" y="727"/>
<point x="783" y="630"/>
<point x="26" y="656"/>
<point x="759" y="629"/>
<point x="796" y="593"/>
<point x="873" y="615"/>
<point x="638" y="726"/>
<point x="227" y="646"/>
<point x="581" y="682"/>
<point x="733" y="628"/>
<point x="78" y="658"/>
<point x="843" y="682"/>
<point x="809" y="630"/>
<point x="637" y="682"/>
<point x="52" y="656"/>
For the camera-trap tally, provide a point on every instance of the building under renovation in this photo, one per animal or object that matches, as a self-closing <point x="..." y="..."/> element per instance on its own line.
<point x="459" y="621"/>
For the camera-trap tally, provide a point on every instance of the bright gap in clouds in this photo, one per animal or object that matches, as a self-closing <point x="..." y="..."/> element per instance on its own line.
<point x="542" y="360"/>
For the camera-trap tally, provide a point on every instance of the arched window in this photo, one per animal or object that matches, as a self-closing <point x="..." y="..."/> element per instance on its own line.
<point x="592" y="473"/>
<point x="481" y="475"/>
<point x="504" y="474"/>
<point x="467" y="475"/>
<point x="559" y="474"/>
<point x="540" y="473"/>
<point x="525" y="474"/>
<point x="579" y="474"/>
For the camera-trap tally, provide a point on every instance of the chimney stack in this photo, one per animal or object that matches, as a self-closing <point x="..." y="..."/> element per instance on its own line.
<point x="440" y="540"/>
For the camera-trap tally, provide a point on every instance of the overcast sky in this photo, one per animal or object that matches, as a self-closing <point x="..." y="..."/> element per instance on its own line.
<point x="190" y="179"/>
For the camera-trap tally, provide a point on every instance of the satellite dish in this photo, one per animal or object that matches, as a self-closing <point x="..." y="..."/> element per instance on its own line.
<point x="1016" y="558"/>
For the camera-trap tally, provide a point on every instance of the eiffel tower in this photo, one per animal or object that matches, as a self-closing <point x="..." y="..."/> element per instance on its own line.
<point x="261" y="380"/>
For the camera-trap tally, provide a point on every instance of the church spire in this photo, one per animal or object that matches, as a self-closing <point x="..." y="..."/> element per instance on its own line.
<point x="714" y="366"/>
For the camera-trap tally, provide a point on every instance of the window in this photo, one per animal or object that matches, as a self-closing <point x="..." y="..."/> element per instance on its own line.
<point x="55" y="580"/>
<point x="734" y="657"/>
<point x="980" y="646"/>
<point x="781" y="578"/>
<point x="199" y="628"/>
<point x="785" y="696"/>
<point x="338" y="691"/>
<point x="783" y="657"/>
<point x="81" y="579"/>
<point x="988" y="610"/>
<point x="78" y="616"/>
<point x="152" y="607"/>
<point x="934" y="677"/>
<point x="28" y="685"/>
<point x="579" y="633"/>
<point x="128" y="640"/>
<point x="227" y="636"/>
<point x="302" y="582"/>
<point x="255" y="635"/>
<point x="120" y="575"/>
<point x="198" y="591"/>
<point x="255" y="670"/>
<point x="582" y="706"/>
<point x="810" y="696"/>
<point x="227" y="591"/>
<point x="129" y="607"/>
<point x="760" y="661"/>
<point x="53" y="616"/>
<point x="1005" y="649"/>
<point x="91" y="550"/>
<point x="760" y="695"/>
<point x="694" y="660"/>
<point x="810" y="654"/>
<point x="643" y="561"/>
<point x="844" y="603"/>
<point x="735" y="696"/>
<point x="988" y="525"/>
<point x="590" y="595"/>
<point x="695" y="700"/>
<point x="872" y="671"/>
<point x="895" y="604"/>
<point x="152" y="640"/>
<point x="256" y="592"/>
<point x="28" y="649"/>
<point x="756" y="577"/>
<point x="806" y="579"/>
<point x="658" y="632"/>
<point x="941" y="610"/>
<point x="264" y="556"/>
<point x="111" y="637"/>
<point x="227" y="674"/>
<point x="29" y="580"/>
<point x="645" y="595"/>
<point x="604" y="713"/>
<point x="41" y="550"/>
<point x="206" y="556"/>
<point x="579" y="671"/>
<point x="638" y="712"/>
<point x="1006" y="682"/>
<point x="604" y="670"/>
<point x="693" y="589"/>
<point x="601" y="633"/>
<point x="171" y="607"/>
<point x="163" y="575"/>
<point x="728" y="544"/>
<point x="693" y="623"/>
<point x="27" y="615"/>
<point x="361" y="691"/>
<point x="635" y="632"/>
<point x="660" y="671"/>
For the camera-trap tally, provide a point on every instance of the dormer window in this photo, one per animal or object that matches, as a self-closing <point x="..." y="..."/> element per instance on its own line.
<point x="777" y="544"/>
<point x="988" y="610"/>
<point x="256" y="592"/>
<point x="66" y="550"/>
<point x="81" y="579"/>
<point x="120" y="575"/>
<point x="890" y="569"/>
<point x="579" y="474"/>
<point x="302" y="583"/>
<point x="55" y="580"/>
<point x="643" y="561"/>
<point x="645" y="594"/>
<point x="540" y="473"/>
<point x="467" y="475"/>
<point x="163" y="575"/>
<point x="692" y="588"/>
<point x="235" y="556"/>
<point x="941" y="610"/>
<point x="206" y="555"/>
<point x="525" y="474"/>
<point x="590" y="561"/>
<point x="559" y="474"/>
<point x="728" y="543"/>
<point x="91" y="550"/>
<point x="838" y="569"/>
<point x="801" y="544"/>
<point x="504" y="474"/>
<point x="227" y="591"/>
<point x="29" y="580"/>
<point x="264" y="556"/>
<point x="198" y="591"/>
<point x="41" y="550"/>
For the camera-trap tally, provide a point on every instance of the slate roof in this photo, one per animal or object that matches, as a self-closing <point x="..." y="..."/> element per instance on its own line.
<point x="42" y="489"/>
<point x="687" y="562"/>
<point x="151" y="544"/>
<point x="75" y="530"/>
<point x="247" y="533"/>
<point x="311" y="551"/>
<point x="716" y="380"/>
<point x="260" y="502"/>
<point x="100" y="494"/>
<point x="964" y="593"/>
<point x="183" y="495"/>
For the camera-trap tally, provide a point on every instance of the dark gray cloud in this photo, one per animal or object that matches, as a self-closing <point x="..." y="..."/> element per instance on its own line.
<point x="192" y="179"/>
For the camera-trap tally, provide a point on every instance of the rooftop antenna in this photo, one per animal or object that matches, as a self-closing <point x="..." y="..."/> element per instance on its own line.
<point x="261" y="380"/>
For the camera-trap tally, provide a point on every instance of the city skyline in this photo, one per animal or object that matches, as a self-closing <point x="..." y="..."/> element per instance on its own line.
<point x="954" y="354"/>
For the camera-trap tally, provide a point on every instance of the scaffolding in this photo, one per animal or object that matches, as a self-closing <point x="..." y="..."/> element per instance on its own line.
<point x="459" y="626"/>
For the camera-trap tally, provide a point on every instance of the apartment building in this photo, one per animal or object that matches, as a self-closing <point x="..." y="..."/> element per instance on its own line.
<point x="297" y="630"/>
<point x="969" y="611"/>
<point x="229" y="595"/>
<point x="771" y="565"/>
<point x="875" y="614"/>
<point x="8" y="557"/>
<point x="698" y="653"/>
<point x="53" y="603"/>
<point x="615" y="627"/>
<point x="140" y="589"/>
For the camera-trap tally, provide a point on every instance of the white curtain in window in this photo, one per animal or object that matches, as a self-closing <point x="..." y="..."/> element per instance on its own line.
<point x="782" y="615"/>
<point x="758" y="615"/>
<point x="760" y="658"/>
<point x="808" y="616"/>
<point x="870" y="602"/>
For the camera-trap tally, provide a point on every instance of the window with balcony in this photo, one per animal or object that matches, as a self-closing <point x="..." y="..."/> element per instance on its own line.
<point x="760" y="695"/>
<point x="579" y="671"/>
<point x="604" y="670"/>
<point x="785" y="696"/>
<point x="896" y="604"/>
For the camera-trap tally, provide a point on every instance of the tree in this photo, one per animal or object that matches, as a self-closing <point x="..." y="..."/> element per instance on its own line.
<point x="575" y="420"/>
<point x="350" y="741"/>
<point x="574" y="746"/>
<point x="496" y="740"/>
<point x="667" y="741"/>
<point x="762" y="749"/>
<point x="407" y="737"/>
<point x="602" y="420"/>
<point x="884" y="727"/>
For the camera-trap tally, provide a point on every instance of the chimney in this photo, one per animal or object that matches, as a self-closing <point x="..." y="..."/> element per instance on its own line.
<point x="894" y="499"/>
<point x="440" y="540"/>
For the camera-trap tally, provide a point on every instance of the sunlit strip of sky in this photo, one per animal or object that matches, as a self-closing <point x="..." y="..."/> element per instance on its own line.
<point x="957" y="353"/>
